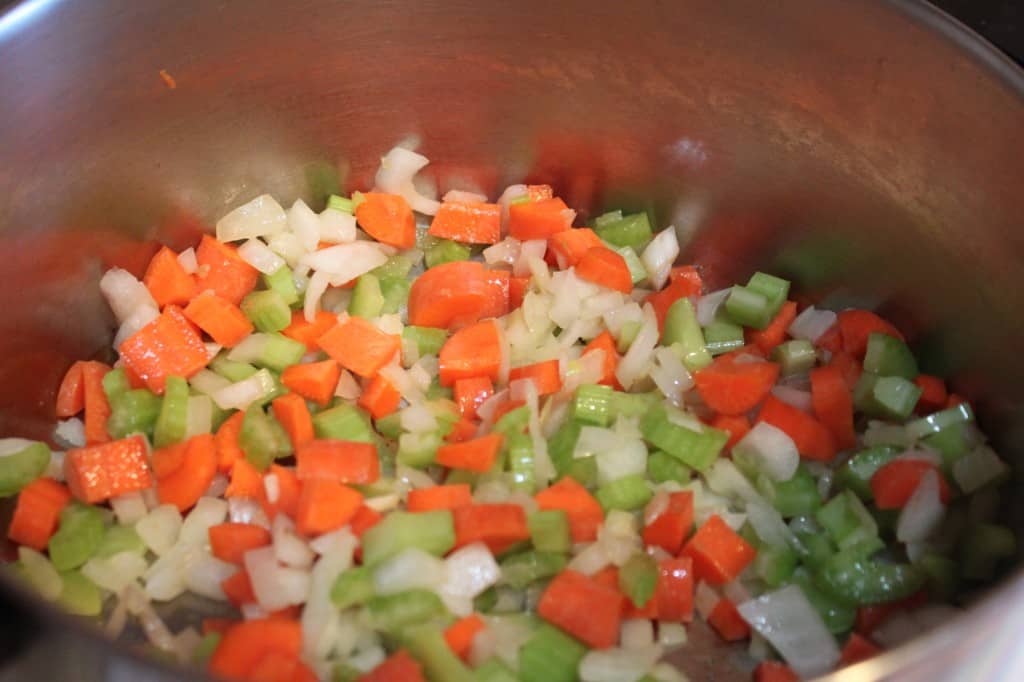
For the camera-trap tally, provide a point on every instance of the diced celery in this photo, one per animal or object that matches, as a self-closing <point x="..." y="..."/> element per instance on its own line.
<point x="748" y="308"/>
<point x="837" y="615"/>
<point x="432" y="531"/>
<point x="396" y="294"/>
<point x="637" y="271"/>
<point x="562" y="444"/>
<point x="695" y="449"/>
<point x="683" y="334"/>
<point x="521" y="569"/>
<point x="774" y="564"/>
<point x="846" y="520"/>
<point x="418" y="449"/>
<point x="774" y="289"/>
<point x="393" y="612"/>
<point x="115" y="383"/>
<point x="627" y="332"/>
<point x="341" y="204"/>
<point x="79" y="595"/>
<point x="397" y="266"/>
<point x="550" y="655"/>
<point x="428" y="646"/>
<point x="521" y="462"/>
<point x="231" y="370"/>
<point x="634" y="404"/>
<point x="855" y="473"/>
<point x="486" y="600"/>
<point x="204" y="650"/>
<point x="280" y="352"/>
<point x="795" y="356"/>
<point x="627" y="493"/>
<point x="20" y="468"/>
<point x="389" y="426"/>
<point x="282" y="283"/>
<point x="937" y="421"/>
<point x="985" y="546"/>
<point x="592" y="404"/>
<point x="262" y="438"/>
<point x="888" y="356"/>
<point x="943" y="575"/>
<point x="723" y="336"/>
<point x="895" y="397"/>
<point x="607" y="218"/>
<point x="817" y="548"/>
<point x="78" y="537"/>
<point x="549" y="530"/>
<point x="638" y="577"/>
<point x="513" y="422"/>
<point x="442" y="251"/>
<point x="119" y="539"/>
<point x="798" y="496"/>
<point x="427" y="339"/>
<point x="267" y="310"/>
<point x="367" y="300"/>
<point x="438" y="392"/>
<point x="134" y="411"/>
<point x="952" y="442"/>
<point x="858" y="580"/>
<point x="632" y="230"/>
<point x="494" y="670"/>
<point x="352" y="587"/>
<point x="662" y="467"/>
<point x="344" y="422"/>
<point x="583" y="470"/>
<point x="173" y="420"/>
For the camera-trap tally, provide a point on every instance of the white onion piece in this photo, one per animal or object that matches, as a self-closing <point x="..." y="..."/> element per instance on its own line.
<point x="138" y="320"/>
<point x="304" y="224"/>
<point x="55" y="467"/>
<point x="347" y="388"/>
<point x="618" y="537"/>
<point x="200" y="415"/>
<point x="129" y="508"/>
<point x="288" y="247"/>
<point x="159" y="528"/>
<point x="115" y="572"/>
<point x="315" y="289"/>
<point x="40" y="573"/>
<point x="241" y="394"/>
<point x="272" y="488"/>
<point x="464" y="196"/>
<point x="708" y="305"/>
<point x="787" y="620"/>
<point x="204" y="575"/>
<point x="209" y="511"/>
<point x="152" y="625"/>
<point x="881" y="433"/>
<point x="801" y="400"/>
<point x="397" y="169"/>
<point x="125" y="294"/>
<point x="412" y="568"/>
<point x="275" y="586"/>
<point x="212" y="349"/>
<point x="470" y="570"/>
<point x="636" y="362"/>
<point x="923" y="513"/>
<point x="289" y="548"/>
<point x="659" y="256"/>
<point x="413" y="478"/>
<point x="505" y="200"/>
<point x="117" y="620"/>
<point x="670" y="376"/>
<point x="771" y="450"/>
<point x="624" y="457"/>
<point x="636" y="633"/>
<point x="769" y="525"/>
<point x="257" y="254"/>
<point x="336" y="227"/>
<point x="506" y="252"/>
<point x="261" y="216"/>
<point x="811" y="324"/>
<point x="418" y="419"/>
<point x="345" y="262"/>
<point x="69" y="433"/>
<point x="979" y="468"/>
<point x="615" y="665"/>
<point x="320" y="619"/>
<point x="208" y="382"/>
<point x="671" y="635"/>
<point x="218" y="486"/>
<point x="247" y="510"/>
<point x="533" y="248"/>
<point x="187" y="260"/>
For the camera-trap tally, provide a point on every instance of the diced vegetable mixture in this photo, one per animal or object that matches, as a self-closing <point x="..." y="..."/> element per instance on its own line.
<point x="496" y="448"/>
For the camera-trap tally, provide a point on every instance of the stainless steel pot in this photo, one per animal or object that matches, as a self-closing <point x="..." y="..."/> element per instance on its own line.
<point x="870" y="150"/>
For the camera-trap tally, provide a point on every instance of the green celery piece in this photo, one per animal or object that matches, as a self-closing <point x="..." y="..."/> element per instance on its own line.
<point x="438" y="392"/>
<point x="817" y="549"/>
<point x="638" y="577"/>
<point x="888" y="356"/>
<point x="550" y="655"/>
<point x="344" y="422"/>
<point x="427" y="339"/>
<point x="396" y="294"/>
<point x="521" y="462"/>
<point x="281" y="352"/>
<point x="282" y="283"/>
<point x="632" y="230"/>
<point x="79" y="595"/>
<point x="985" y="545"/>
<point x="952" y="442"/>
<point x="232" y="370"/>
<point x="78" y="537"/>
<point x="723" y="336"/>
<point x="134" y="411"/>
<point x="795" y="356"/>
<point x="119" y="539"/>
<point x="494" y="670"/>
<point x="204" y="650"/>
<point x="521" y="569"/>
<point x="443" y="251"/>
<point x="562" y="445"/>
<point x="774" y="289"/>
<point x="943" y="576"/>
<point x="798" y="496"/>
<point x="262" y="438"/>
<point x="341" y="204"/>
<point x="634" y="404"/>
<point x="696" y="450"/>
<point x="683" y="333"/>
<point x="859" y="580"/>
<point x="627" y="493"/>
<point x="592" y="404"/>
<point x="513" y="422"/>
<point x="662" y="467"/>
<point x="397" y="266"/>
<point x="173" y="420"/>
<point x="549" y="530"/>
<point x="895" y="397"/>
<point x="855" y="473"/>
<point x="352" y="587"/>
<point x="427" y="645"/>
<point x="608" y="217"/>
<point x="837" y="614"/>
<point x="627" y="333"/>
<point x="418" y="450"/>
<point x="748" y="308"/>
<point x="775" y="564"/>
<point x="367" y="299"/>
<point x="846" y="520"/>
<point x="389" y="426"/>
<point x="267" y="310"/>
<point x="456" y="476"/>
<point x="277" y="388"/>
<point x="864" y="394"/>
<point x="486" y="600"/>
<point x="583" y="470"/>
<point x="393" y="612"/>
<point x="938" y="421"/>
<point x="20" y="468"/>
<point x="115" y="383"/>
<point x="432" y="531"/>
<point x="637" y="271"/>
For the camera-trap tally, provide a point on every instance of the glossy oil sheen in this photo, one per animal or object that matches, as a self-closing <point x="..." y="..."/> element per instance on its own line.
<point x="871" y="151"/>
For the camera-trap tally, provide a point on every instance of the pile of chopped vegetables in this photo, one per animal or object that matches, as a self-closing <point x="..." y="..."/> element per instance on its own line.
<point x="499" y="448"/>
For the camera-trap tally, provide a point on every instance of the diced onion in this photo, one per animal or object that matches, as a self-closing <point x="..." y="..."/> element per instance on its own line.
<point x="771" y="449"/>
<point x="315" y="289"/>
<point x="506" y="251"/>
<point x="464" y="196"/>
<point x="671" y="635"/>
<point x="636" y="633"/>
<point x="348" y="387"/>
<point x="801" y="400"/>
<point x="205" y="381"/>
<point x="418" y="419"/>
<point x="637" y="360"/>
<point x="705" y="599"/>
<point x="534" y="248"/>
<point x="304" y="224"/>
<point x="125" y="294"/>
<point x="129" y="508"/>
<point x="980" y="467"/>
<point x="275" y="586"/>
<point x="247" y="510"/>
<point x="345" y="262"/>
<point x="289" y="548"/>
<point x="412" y="568"/>
<point x="670" y="376"/>
<point x="708" y="305"/>
<point x="257" y="254"/>
<point x="204" y="574"/>
<point x="187" y="260"/>
<point x="115" y="572"/>
<point x="811" y="324"/>
<point x="288" y="247"/>
<point x="138" y="320"/>
<point x="159" y="529"/>
<point x="923" y="513"/>
<point x="261" y="216"/>
<point x="241" y="394"/>
<point x="397" y="169"/>
<point x="209" y="511"/>
<point x="336" y="227"/>
<point x="659" y="256"/>
<point x="470" y="570"/>
<point x="615" y="665"/>
<point x="505" y="200"/>
<point x="69" y="433"/>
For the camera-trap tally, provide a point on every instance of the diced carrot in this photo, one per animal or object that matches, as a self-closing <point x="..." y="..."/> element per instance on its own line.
<point x="504" y="407"/>
<point x="774" y="671"/>
<point x="314" y="381"/>
<point x="517" y="288"/>
<point x="953" y="400"/>
<point x="359" y="346"/>
<point x="222" y="320"/>
<point x="244" y="481"/>
<point x="364" y="519"/>
<point x="539" y="192"/>
<point x="545" y="376"/>
<point x="831" y="340"/>
<point x="569" y="246"/>
<point x="673" y="593"/>
<point x="167" y="280"/>
<point x="605" y="342"/>
<point x="855" y="326"/>
<point x="185" y="486"/>
<point x="287" y="613"/>
<point x="473" y="351"/>
<point x="324" y="506"/>
<point x="538" y="219"/>
<point x="228" y="449"/>
<point x="338" y="460"/>
<point x="238" y="588"/>
<point x="470" y="393"/>
<point x="727" y="621"/>
<point x="584" y="511"/>
<point x="71" y="394"/>
<point x="291" y="412"/>
<point x="585" y="609"/>
<point x="230" y="541"/>
<point x="168" y="459"/>
<point x="460" y="634"/>
<point x="308" y="332"/>
<point x="671" y="527"/>
<point x="398" y="667"/>
<point x="439" y="497"/>
<point x="455" y="294"/>
<point x="288" y="490"/>
<point x="380" y="397"/>
<point x="736" y="426"/>
<point x="223" y="271"/>
<point x="833" y="404"/>
<point x="246" y="643"/>
<point x="279" y="667"/>
<point x="97" y="409"/>
<point x="606" y="268"/>
<point x="719" y="554"/>
<point x="478" y="454"/>
<point x="857" y="648"/>
<point x="894" y="483"/>
<point x="848" y="366"/>
<point x="933" y="394"/>
<point x="462" y="430"/>
<point x="469" y="222"/>
<point x="167" y="346"/>
<point x="812" y="439"/>
<point x="98" y="472"/>
<point x="387" y="218"/>
<point x="687" y="276"/>
<point x="775" y="333"/>
<point x="37" y="513"/>
<point x="499" y="526"/>
<point x="732" y="388"/>
<point x="218" y="625"/>
<point x="498" y="282"/>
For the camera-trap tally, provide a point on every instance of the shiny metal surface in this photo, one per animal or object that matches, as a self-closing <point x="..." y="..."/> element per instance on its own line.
<point x="870" y="150"/>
